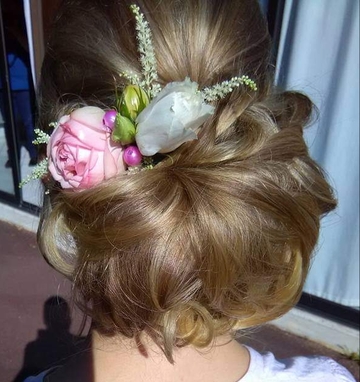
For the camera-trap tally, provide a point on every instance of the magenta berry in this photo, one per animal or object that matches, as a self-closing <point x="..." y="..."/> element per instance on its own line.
<point x="132" y="156"/>
<point x="109" y="119"/>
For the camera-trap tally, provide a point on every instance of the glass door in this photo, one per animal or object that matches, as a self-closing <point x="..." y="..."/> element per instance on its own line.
<point x="18" y="155"/>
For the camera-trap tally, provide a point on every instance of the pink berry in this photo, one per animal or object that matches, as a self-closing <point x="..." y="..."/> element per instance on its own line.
<point x="109" y="119"/>
<point x="132" y="156"/>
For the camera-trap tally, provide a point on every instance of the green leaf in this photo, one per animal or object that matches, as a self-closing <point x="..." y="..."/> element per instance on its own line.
<point x="124" y="130"/>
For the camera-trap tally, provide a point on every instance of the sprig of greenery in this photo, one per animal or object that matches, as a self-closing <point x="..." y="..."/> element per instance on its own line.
<point x="42" y="137"/>
<point x="38" y="172"/>
<point x="219" y="91"/>
<point x="147" y="53"/>
<point x="132" y="78"/>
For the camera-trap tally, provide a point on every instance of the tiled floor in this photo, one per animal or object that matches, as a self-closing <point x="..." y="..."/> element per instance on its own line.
<point x="32" y="192"/>
<point x="32" y="337"/>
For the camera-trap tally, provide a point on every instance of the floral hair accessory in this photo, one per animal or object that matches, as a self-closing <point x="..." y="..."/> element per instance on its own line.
<point x="91" y="145"/>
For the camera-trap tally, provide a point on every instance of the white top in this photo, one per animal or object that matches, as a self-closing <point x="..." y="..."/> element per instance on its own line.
<point x="298" y="369"/>
<point x="265" y="368"/>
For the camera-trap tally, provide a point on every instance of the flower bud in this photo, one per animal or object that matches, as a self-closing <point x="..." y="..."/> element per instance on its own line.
<point x="133" y="101"/>
<point x="124" y="130"/>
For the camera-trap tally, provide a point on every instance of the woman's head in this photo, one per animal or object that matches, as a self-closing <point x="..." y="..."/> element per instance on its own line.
<point x="219" y="234"/>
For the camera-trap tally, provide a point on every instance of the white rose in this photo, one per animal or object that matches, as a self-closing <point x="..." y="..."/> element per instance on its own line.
<point x="171" y="118"/>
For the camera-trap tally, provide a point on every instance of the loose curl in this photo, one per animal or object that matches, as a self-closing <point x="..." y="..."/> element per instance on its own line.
<point x="219" y="235"/>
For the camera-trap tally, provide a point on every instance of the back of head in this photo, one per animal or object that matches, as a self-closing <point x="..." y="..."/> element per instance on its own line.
<point x="219" y="234"/>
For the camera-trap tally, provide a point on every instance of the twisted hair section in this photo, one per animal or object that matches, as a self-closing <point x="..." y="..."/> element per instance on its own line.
<point x="219" y="235"/>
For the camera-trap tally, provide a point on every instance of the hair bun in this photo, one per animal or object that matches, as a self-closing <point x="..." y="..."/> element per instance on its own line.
<point x="219" y="234"/>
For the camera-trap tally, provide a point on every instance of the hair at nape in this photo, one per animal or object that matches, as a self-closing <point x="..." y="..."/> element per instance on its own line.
<point x="218" y="236"/>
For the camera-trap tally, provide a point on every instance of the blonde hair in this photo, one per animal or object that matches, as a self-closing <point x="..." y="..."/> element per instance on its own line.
<point x="219" y="235"/>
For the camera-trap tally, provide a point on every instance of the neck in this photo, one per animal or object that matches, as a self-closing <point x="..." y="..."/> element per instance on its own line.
<point x="119" y="358"/>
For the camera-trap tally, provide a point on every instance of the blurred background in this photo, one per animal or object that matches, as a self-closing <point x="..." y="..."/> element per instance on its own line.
<point x="315" y="50"/>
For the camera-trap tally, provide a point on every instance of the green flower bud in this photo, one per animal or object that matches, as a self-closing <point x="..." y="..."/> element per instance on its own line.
<point x="133" y="101"/>
<point x="124" y="130"/>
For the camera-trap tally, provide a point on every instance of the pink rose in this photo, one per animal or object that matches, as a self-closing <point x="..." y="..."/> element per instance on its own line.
<point x="80" y="151"/>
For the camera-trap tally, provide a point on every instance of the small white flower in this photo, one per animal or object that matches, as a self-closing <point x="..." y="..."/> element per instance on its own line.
<point x="171" y="118"/>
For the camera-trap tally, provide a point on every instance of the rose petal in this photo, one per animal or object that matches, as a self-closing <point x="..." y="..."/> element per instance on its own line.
<point x="89" y="116"/>
<point x="110" y="168"/>
<point x="84" y="136"/>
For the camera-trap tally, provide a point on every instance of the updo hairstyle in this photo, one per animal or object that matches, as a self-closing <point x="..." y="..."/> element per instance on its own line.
<point x="219" y="235"/>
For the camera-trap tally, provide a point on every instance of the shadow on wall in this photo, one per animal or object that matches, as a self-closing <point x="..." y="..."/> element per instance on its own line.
<point x="53" y="345"/>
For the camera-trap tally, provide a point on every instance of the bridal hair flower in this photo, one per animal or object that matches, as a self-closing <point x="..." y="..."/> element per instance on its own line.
<point x="91" y="145"/>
